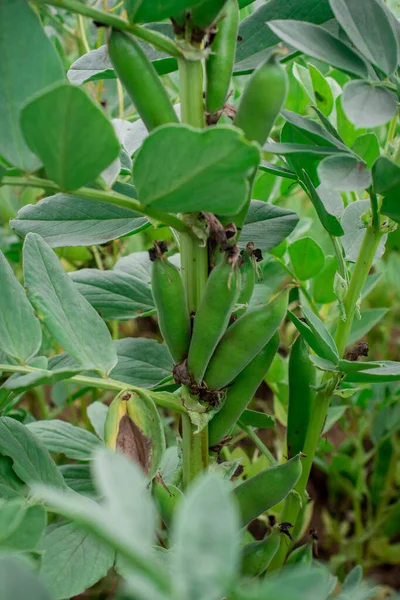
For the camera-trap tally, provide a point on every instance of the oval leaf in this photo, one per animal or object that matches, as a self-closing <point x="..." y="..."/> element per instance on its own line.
<point x="366" y="105"/>
<point x="344" y="173"/>
<point x="70" y="134"/>
<point x="354" y="230"/>
<point x="307" y="258"/>
<point x="207" y="171"/>
<point x="68" y="316"/>
<point x="267" y="225"/>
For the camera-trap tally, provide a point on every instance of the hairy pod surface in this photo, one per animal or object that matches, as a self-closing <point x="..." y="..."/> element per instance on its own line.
<point x="243" y="341"/>
<point x="262" y="100"/>
<point x="219" y="64"/>
<point x="267" y="488"/>
<point x="212" y="317"/>
<point x="257" y="556"/>
<point x="133" y="427"/>
<point x="241" y="392"/>
<point x="302" y="375"/>
<point x="173" y="313"/>
<point x="141" y="81"/>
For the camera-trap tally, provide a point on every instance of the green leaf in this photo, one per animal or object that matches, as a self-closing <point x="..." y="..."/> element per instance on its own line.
<point x="31" y="461"/>
<point x="30" y="530"/>
<point x="288" y="148"/>
<point x="11" y="514"/>
<point x="267" y="225"/>
<point x="313" y="131"/>
<point x="70" y="134"/>
<point x="68" y="316"/>
<point x="19" y="582"/>
<point x="325" y="340"/>
<point x="386" y="175"/>
<point x="60" y="437"/>
<point x="354" y="230"/>
<point x="97" y="413"/>
<point x="114" y="294"/>
<point x="390" y="371"/>
<point x="369" y="318"/>
<point x="331" y="199"/>
<point x="64" y="220"/>
<point x="24" y="49"/>
<point x="333" y="415"/>
<point x="370" y="30"/>
<point x="206" y="548"/>
<point x="307" y="258"/>
<point x="254" y="418"/>
<point x="78" y="478"/>
<point x="386" y="178"/>
<point x="344" y="173"/>
<point x="255" y="36"/>
<point x="328" y="221"/>
<point x="73" y="560"/>
<point x="20" y="331"/>
<point x="323" y="292"/>
<point x="322" y="91"/>
<point x="367" y="147"/>
<point x="319" y="43"/>
<point x="346" y="129"/>
<point x="142" y="362"/>
<point x="208" y="169"/>
<point x="366" y="105"/>
<point x="96" y="65"/>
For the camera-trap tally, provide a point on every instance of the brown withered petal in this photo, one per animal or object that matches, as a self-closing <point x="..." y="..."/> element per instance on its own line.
<point x="132" y="442"/>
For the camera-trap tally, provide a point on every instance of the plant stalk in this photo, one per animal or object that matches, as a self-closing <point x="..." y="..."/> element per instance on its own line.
<point x="194" y="263"/>
<point x="292" y="509"/>
<point x="103" y="196"/>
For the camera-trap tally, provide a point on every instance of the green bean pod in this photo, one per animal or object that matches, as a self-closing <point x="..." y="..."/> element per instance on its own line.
<point x="212" y="317"/>
<point x="173" y="313"/>
<point x="262" y="100"/>
<point x="141" y="81"/>
<point x="266" y="489"/>
<point x="248" y="272"/>
<point x="243" y="341"/>
<point x="256" y="556"/>
<point x="133" y="427"/>
<point x="219" y="64"/>
<point x="302" y="555"/>
<point x="166" y="500"/>
<point x="302" y="375"/>
<point x="204" y="14"/>
<point x="241" y="392"/>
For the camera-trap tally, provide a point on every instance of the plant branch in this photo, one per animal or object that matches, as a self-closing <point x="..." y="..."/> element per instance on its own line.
<point x="158" y="40"/>
<point x="103" y="196"/>
<point x="161" y="398"/>
<point x="259" y="444"/>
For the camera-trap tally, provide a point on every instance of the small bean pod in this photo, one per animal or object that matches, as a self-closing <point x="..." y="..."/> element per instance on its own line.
<point x="266" y="489"/>
<point x="248" y="272"/>
<point x="302" y="555"/>
<point x="241" y="392"/>
<point x="243" y="341"/>
<point x="262" y="100"/>
<point x="302" y="375"/>
<point x="204" y="14"/>
<point x="141" y="81"/>
<point x="219" y="64"/>
<point x="133" y="427"/>
<point x="212" y="317"/>
<point x="173" y="313"/>
<point x="166" y="500"/>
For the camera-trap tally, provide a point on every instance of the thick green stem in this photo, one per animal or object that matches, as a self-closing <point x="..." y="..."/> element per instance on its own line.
<point x="159" y="41"/>
<point x="103" y="196"/>
<point x="362" y="267"/>
<point x="194" y="263"/>
<point x="191" y="92"/>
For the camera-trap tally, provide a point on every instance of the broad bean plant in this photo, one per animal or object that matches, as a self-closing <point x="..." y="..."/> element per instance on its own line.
<point x="196" y="197"/>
